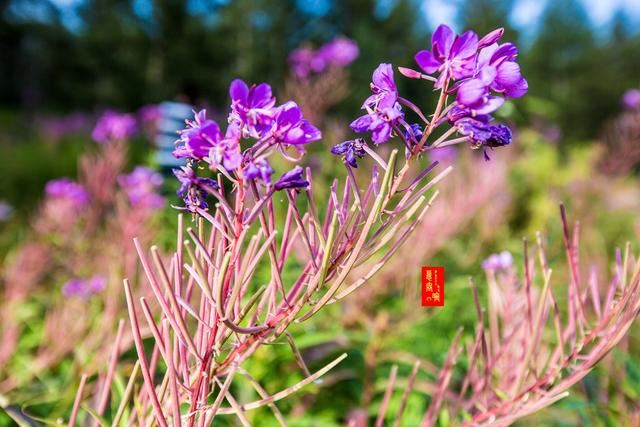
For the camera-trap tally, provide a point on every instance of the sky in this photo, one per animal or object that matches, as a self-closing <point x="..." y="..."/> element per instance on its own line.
<point x="527" y="11"/>
<point x="435" y="12"/>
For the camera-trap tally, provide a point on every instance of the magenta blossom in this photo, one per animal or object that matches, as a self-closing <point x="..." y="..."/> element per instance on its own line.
<point x="300" y="60"/>
<point x="383" y="110"/>
<point x="383" y="86"/>
<point x="198" y="138"/>
<point x="193" y="189"/>
<point x="496" y="71"/>
<point x="631" y="99"/>
<point x="380" y="124"/>
<point x="65" y="188"/>
<point x="340" y="52"/>
<point x="291" y="128"/>
<point x="252" y="106"/>
<point x="141" y="187"/>
<point x="84" y="288"/>
<point x="453" y="56"/>
<point x="149" y="114"/>
<point x="112" y="126"/>
<point x="258" y="169"/>
<point x="227" y="151"/>
<point x="497" y="262"/>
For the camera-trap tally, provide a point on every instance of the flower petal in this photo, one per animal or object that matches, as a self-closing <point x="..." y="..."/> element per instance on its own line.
<point x="427" y="62"/>
<point x="517" y="90"/>
<point x="491" y="38"/>
<point x="261" y="96"/>
<point x="441" y="41"/>
<point x="383" y="77"/>
<point x="289" y="114"/>
<point x="238" y="91"/>
<point x="508" y="74"/>
<point x="465" y="45"/>
<point x="471" y="92"/>
<point x="361" y="124"/>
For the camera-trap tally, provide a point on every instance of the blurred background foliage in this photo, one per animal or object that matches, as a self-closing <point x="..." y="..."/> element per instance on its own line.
<point x="59" y="57"/>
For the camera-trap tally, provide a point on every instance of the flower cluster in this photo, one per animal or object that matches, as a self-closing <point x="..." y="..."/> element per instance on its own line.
<point x="255" y="121"/>
<point x="141" y="187"/>
<point x="480" y="72"/>
<point x="482" y="69"/>
<point x="383" y="110"/>
<point x="84" y="288"/>
<point x="112" y="126"/>
<point x="338" y="53"/>
<point x="65" y="188"/>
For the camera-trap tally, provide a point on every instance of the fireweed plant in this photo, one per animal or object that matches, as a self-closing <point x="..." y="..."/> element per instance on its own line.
<point x="531" y="345"/>
<point x="212" y="315"/>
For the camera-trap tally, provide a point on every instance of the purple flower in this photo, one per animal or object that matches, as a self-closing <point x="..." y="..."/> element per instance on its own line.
<point x="300" y="61"/>
<point x="112" y="126"/>
<point x="496" y="262"/>
<point x="84" y="288"/>
<point x="483" y="134"/>
<point x="631" y="99"/>
<point x="380" y="124"/>
<point x="258" y="169"/>
<point x="383" y="86"/>
<point x="252" y="106"/>
<point x="64" y="188"/>
<point x="454" y="56"/>
<point x="198" y="138"/>
<point x="149" y="114"/>
<point x="496" y="70"/>
<point x="227" y="151"/>
<point x="292" y="179"/>
<point x="291" y="128"/>
<point x="141" y="186"/>
<point x="193" y="188"/>
<point x="383" y="110"/>
<point x="350" y="150"/>
<point x="340" y="52"/>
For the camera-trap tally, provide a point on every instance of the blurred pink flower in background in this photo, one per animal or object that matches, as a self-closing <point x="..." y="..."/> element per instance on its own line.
<point x="141" y="187"/>
<point x="631" y="99"/>
<point x="338" y="53"/>
<point x="501" y="261"/>
<point x="112" y="126"/>
<point x="65" y="188"/>
<point x="84" y="288"/>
